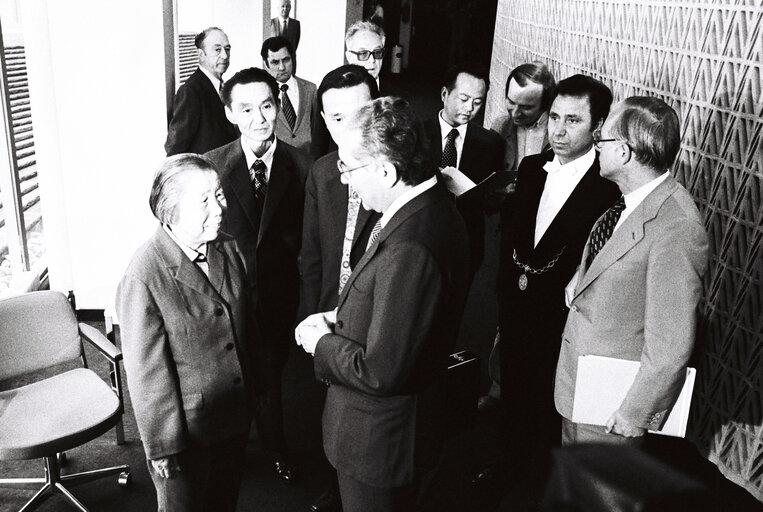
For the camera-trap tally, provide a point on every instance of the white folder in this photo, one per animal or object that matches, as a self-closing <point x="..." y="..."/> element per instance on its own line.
<point x="601" y="386"/>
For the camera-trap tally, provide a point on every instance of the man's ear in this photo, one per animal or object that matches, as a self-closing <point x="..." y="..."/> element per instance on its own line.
<point x="443" y="94"/>
<point x="229" y="114"/>
<point x="388" y="174"/>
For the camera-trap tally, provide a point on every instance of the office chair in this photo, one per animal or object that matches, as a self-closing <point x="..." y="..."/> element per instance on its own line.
<point x="38" y="330"/>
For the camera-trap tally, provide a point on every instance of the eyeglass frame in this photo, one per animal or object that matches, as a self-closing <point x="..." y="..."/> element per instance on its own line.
<point x="377" y="53"/>
<point x="598" y="141"/>
<point x="341" y="166"/>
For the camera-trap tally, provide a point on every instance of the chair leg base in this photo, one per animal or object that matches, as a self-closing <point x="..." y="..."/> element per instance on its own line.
<point x="53" y="482"/>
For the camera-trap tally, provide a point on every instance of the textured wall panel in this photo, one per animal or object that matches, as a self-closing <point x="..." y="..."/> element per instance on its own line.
<point x="704" y="59"/>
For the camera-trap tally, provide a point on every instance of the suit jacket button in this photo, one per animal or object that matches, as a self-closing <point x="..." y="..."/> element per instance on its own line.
<point x="574" y="308"/>
<point x="237" y="380"/>
<point x="219" y="312"/>
<point x="339" y="324"/>
<point x="229" y="346"/>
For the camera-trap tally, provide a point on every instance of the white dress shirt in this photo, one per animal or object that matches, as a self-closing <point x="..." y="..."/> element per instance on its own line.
<point x="560" y="182"/>
<point x="445" y="129"/>
<point x="267" y="157"/>
<point x="636" y="197"/>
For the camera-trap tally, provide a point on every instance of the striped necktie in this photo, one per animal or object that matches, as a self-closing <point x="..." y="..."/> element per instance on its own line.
<point x="604" y="229"/>
<point x="374" y="234"/>
<point x="288" y="108"/>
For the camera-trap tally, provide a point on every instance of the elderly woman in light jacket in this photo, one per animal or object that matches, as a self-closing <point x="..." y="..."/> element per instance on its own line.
<point x="186" y="342"/>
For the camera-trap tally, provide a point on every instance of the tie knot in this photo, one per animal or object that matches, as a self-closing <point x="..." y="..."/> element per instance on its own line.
<point x="619" y="205"/>
<point x="200" y="258"/>
<point x="259" y="166"/>
<point x="453" y="134"/>
<point x="284" y="87"/>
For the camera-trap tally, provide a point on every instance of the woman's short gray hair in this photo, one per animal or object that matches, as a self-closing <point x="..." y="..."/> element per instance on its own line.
<point x="168" y="180"/>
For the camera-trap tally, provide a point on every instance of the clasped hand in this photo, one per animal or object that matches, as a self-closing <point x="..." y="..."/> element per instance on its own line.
<point x="313" y="328"/>
<point x="166" y="467"/>
<point x="617" y="424"/>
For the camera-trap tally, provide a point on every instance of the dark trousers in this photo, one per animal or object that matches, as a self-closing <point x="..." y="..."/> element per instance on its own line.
<point x="268" y="414"/>
<point x="359" y="497"/>
<point x="208" y="481"/>
<point x="577" y="433"/>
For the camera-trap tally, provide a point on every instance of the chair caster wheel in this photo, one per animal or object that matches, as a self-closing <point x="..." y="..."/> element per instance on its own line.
<point x="61" y="459"/>
<point x="124" y="479"/>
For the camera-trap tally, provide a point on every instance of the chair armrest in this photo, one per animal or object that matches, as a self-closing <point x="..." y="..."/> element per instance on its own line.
<point x="100" y="342"/>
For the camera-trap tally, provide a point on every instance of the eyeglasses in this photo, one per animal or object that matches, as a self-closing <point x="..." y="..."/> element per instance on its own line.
<point x="599" y="142"/>
<point x="343" y="169"/>
<point x="363" y="55"/>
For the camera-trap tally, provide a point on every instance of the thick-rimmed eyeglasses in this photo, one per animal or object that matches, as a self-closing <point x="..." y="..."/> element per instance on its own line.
<point x="343" y="169"/>
<point x="363" y="55"/>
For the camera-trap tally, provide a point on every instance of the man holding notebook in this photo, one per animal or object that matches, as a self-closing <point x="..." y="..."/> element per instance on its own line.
<point x="635" y="293"/>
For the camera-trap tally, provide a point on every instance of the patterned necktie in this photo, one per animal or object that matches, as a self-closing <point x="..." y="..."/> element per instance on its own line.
<point x="353" y="206"/>
<point x="604" y="229"/>
<point x="260" y="182"/>
<point x="449" y="156"/>
<point x="374" y="234"/>
<point x="288" y="108"/>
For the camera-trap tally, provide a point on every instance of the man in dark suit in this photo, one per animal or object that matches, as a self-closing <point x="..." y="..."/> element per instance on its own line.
<point x="263" y="180"/>
<point x="198" y="123"/>
<point x="336" y="226"/>
<point x="383" y="352"/>
<point x="286" y="27"/>
<point x="559" y="195"/>
<point x="456" y="142"/>
<point x="295" y="118"/>
<point x="634" y="295"/>
<point x="364" y="47"/>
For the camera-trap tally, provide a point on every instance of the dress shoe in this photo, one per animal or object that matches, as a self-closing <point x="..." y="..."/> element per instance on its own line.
<point x="326" y="502"/>
<point x="487" y="403"/>
<point x="285" y="472"/>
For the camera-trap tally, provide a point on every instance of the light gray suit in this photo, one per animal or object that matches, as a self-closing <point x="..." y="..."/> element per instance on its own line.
<point x="299" y="136"/>
<point x="638" y="301"/>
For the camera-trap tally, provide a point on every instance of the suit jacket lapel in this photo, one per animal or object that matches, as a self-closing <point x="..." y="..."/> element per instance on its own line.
<point x="410" y="208"/>
<point x="302" y="103"/>
<point x="628" y="235"/>
<point x="534" y="181"/>
<point x="241" y="183"/>
<point x="280" y="174"/>
<point x="181" y="268"/>
<point x="467" y="152"/>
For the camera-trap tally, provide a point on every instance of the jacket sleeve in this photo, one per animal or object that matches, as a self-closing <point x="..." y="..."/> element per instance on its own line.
<point x="398" y="327"/>
<point x="310" y="269"/>
<point x="150" y="370"/>
<point x="673" y="286"/>
<point x="186" y="118"/>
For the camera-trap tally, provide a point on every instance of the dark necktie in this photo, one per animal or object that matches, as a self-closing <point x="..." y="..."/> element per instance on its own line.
<point x="201" y="262"/>
<point x="374" y="234"/>
<point x="449" y="157"/>
<point x="260" y="182"/>
<point x="603" y="229"/>
<point x="288" y="108"/>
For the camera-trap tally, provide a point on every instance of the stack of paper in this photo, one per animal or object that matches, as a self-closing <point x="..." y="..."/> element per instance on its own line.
<point x="603" y="382"/>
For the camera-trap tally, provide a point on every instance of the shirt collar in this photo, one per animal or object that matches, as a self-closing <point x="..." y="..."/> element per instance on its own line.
<point x="191" y="253"/>
<point x="635" y="198"/>
<point x="292" y="83"/>
<point x="216" y="82"/>
<point x="405" y="198"/>
<point x="266" y="158"/>
<point x="445" y="127"/>
<point x="580" y="164"/>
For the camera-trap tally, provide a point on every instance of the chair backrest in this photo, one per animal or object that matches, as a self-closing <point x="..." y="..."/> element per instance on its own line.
<point x="37" y="330"/>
